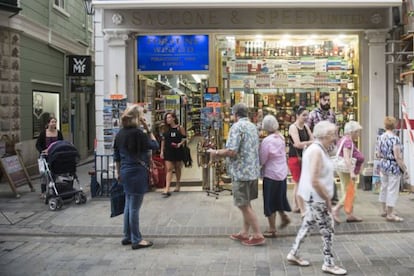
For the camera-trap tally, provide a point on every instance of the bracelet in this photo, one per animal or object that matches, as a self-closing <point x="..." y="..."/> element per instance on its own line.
<point x="217" y="153"/>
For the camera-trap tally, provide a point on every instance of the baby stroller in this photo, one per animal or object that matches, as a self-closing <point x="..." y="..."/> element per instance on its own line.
<point x="60" y="172"/>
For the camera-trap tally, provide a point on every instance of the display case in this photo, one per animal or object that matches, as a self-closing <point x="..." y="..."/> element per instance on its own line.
<point x="277" y="77"/>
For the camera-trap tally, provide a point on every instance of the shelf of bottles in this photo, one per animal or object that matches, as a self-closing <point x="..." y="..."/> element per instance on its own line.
<point x="278" y="77"/>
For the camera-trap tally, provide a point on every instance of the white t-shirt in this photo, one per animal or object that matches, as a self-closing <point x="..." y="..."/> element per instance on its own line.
<point x="326" y="175"/>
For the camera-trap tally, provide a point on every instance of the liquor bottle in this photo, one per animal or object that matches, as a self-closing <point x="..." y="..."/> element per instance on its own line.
<point x="248" y="49"/>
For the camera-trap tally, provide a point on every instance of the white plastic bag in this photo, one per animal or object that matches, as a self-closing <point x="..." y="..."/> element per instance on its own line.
<point x="41" y="164"/>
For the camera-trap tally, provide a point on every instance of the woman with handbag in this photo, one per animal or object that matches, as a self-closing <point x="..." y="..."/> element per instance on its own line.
<point x="300" y="136"/>
<point x="392" y="167"/>
<point x="348" y="151"/>
<point x="131" y="148"/>
<point x="172" y="151"/>
<point x="316" y="189"/>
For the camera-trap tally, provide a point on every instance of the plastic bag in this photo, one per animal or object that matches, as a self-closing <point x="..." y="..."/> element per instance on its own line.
<point x="349" y="197"/>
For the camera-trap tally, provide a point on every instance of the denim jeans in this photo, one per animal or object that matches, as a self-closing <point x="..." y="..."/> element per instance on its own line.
<point x="133" y="204"/>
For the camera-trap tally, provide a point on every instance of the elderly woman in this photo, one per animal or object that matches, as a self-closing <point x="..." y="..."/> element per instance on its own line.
<point x="272" y="155"/>
<point x="130" y="154"/>
<point x="348" y="150"/>
<point x="392" y="166"/>
<point x="316" y="189"/>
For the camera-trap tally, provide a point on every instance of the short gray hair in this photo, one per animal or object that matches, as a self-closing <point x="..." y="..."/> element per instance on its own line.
<point x="240" y="110"/>
<point x="323" y="128"/>
<point x="351" y="126"/>
<point x="270" y="124"/>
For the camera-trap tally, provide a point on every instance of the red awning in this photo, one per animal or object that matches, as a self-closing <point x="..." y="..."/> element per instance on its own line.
<point x="401" y="122"/>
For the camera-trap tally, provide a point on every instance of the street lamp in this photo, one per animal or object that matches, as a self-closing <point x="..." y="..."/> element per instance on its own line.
<point x="89" y="7"/>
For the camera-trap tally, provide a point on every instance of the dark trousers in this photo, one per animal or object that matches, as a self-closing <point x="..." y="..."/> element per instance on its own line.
<point x="335" y="195"/>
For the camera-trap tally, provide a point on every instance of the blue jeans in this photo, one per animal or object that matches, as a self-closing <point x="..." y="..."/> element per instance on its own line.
<point x="133" y="204"/>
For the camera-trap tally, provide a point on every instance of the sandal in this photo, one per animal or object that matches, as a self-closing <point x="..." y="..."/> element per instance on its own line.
<point x="394" y="218"/>
<point x="269" y="234"/>
<point x="238" y="237"/>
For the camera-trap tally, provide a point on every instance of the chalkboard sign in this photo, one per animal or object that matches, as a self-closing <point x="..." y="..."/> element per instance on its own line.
<point x="16" y="173"/>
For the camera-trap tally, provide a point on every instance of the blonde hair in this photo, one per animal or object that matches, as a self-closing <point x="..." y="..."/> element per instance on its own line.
<point x="131" y="116"/>
<point x="390" y="123"/>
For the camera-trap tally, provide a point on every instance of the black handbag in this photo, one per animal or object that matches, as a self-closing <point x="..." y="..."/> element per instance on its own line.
<point x="117" y="198"/>
<point x="188" y="161"/>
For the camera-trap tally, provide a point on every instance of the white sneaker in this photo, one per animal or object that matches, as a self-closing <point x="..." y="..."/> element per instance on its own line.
<point x="335" y="270"/>
<point x="296" y="260"/>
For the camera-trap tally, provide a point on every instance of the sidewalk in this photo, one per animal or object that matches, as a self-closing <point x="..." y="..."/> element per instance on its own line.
<point x="188" y="213"/>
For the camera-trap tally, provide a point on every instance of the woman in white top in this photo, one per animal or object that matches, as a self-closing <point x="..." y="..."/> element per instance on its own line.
<point x="316" y="189"/>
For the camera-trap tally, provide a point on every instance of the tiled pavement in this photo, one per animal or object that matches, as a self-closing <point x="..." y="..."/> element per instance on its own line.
<point x="190" y="231"/>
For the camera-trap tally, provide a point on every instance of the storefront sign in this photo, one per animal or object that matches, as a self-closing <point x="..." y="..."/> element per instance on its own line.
<point x="271" y="18"/>
<point x="172" y="53"/>
<point x="80" y="66"/>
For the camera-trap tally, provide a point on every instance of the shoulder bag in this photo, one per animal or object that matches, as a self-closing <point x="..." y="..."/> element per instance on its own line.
<point x="339" y="161"/>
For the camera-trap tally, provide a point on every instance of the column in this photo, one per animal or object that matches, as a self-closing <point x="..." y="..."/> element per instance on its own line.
<point x="377" y="94"/>
<point x="115" y="64"/>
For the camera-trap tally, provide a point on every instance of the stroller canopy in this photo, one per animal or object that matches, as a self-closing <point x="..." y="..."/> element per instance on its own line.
<point x="62" y="157"/>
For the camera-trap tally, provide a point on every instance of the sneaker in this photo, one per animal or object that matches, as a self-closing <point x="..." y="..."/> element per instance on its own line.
<point x="296" y="260"/>
<point x="334" y="269"/>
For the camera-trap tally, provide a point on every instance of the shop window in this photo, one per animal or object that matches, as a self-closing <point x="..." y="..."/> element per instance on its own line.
<point x="45" y="105"/>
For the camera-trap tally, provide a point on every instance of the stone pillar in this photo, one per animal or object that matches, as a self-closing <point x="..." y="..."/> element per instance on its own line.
<point x="116" y="62"/>
<point x="110" y="70"/>
<point x="377" y="95"/>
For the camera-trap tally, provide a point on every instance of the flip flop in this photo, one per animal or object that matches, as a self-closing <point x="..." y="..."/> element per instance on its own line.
<point x="254" y="241"/>
<point x="269" y="234"/>
<point x="238" y="237"/>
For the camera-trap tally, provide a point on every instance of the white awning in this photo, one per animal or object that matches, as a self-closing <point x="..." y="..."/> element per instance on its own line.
<point x="188" y="4"/>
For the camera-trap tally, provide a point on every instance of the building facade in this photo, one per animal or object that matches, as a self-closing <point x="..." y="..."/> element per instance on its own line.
<point x="37" y="42"/>
<point x="365" y="81"/>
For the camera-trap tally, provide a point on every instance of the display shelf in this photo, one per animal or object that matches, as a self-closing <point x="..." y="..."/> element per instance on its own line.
<point x="277" y="79"/>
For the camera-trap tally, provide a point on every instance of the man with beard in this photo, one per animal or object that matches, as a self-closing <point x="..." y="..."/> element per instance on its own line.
<point x="323" y="113"/>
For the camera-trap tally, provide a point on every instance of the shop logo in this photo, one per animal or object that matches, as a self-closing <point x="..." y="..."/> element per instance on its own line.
<point x="79" y="66"/>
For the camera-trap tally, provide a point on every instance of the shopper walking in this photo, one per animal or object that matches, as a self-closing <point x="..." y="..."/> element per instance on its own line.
<point x="315" y="187"/>
<point x="300" y="137"/>
<point x="272" y="156"/>
<point x="46" y="137"/>
<point x="172" y="151"/>
<point x="392" y="167"/>
<point x="130" y="155"/>
<point x="242" y="152"/>
<point x="348" y="149"/>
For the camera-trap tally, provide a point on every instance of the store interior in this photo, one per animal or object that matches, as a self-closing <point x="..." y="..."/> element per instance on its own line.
<point x="272" y="74"/>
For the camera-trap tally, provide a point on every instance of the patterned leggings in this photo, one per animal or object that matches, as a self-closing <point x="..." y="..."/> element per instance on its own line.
<point x="317" y="213"/>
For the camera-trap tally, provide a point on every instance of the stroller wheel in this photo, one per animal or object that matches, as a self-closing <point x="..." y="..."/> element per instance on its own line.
<point x="83" y="198"/>
<point x="53" y="204"/>
<point x="59" y="203"/>
<point x="78" y="198"/>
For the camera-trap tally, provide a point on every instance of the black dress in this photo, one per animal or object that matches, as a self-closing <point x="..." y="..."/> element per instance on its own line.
<point x="173" y="135"/>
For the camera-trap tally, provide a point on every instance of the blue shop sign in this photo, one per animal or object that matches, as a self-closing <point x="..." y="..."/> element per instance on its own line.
<point x="172" y="53"/>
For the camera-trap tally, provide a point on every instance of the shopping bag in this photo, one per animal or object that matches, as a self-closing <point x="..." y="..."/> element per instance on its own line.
<point x="188" y="161"/>
<point x="41" y="164"/>
<point x="117" y="198"/>
<point x="349" y="197"/>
